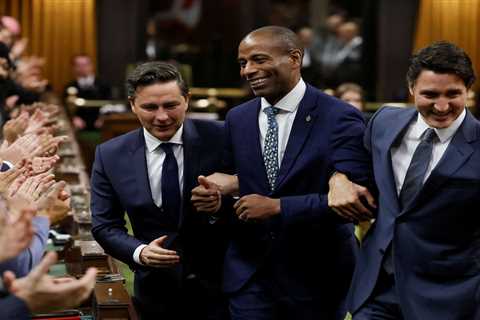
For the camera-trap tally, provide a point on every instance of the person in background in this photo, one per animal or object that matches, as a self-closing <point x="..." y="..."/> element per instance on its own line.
<point x="86" y="85"/>
<point x="351" y="93"/>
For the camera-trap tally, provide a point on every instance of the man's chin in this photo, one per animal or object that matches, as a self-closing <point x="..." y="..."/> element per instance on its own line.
<point x="163" y="135"/>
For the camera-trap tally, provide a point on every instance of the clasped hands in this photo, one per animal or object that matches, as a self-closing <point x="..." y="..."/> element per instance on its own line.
<point x="345" y="198"/>
<point x="207" y="197"/>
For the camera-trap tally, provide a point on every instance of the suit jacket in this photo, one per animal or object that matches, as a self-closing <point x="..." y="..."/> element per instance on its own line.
<point x="120" y="183"/>
<point x="436" y="239"/>
<point x="99" y="91"/>
<point x="306" y="250"/>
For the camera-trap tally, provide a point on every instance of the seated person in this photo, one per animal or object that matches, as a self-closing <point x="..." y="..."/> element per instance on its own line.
<point x="88" y="86"/>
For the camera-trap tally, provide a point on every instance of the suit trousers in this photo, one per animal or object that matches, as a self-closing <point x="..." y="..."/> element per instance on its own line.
<point x="383" y="304"/>
<point x="259" y="299"/>
<point x="193" y="300"/>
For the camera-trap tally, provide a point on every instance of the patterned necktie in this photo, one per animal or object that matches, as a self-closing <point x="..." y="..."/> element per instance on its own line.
<point x="418" y="168"/>
<point x="171" y="198"/>
<point x="270" y="152"/>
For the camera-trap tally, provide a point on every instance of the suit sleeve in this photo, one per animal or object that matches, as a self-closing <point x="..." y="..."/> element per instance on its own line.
<point x="13" y="308"/>
<point x="108" y="216"/>
<point x="347" y="155"/>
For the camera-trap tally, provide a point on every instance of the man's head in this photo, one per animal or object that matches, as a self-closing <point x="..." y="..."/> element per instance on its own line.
<point x="82" y="66"/>
<point x="159" y="97"/>
<point x="270" y="60"/>
<point x="439" y="77"/>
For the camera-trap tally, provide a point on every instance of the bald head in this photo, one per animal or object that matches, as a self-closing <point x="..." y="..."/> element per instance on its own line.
<point x="281" y="36"/>
<point x="270" y="59"/>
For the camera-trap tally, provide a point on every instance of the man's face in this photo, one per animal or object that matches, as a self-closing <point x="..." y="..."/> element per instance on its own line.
<point x="82" y="66"/>
<point x="439" y="97"/>
<point x="269" y="69"/>
<point x="354" y="98"/>
<point x="161" y="108"/>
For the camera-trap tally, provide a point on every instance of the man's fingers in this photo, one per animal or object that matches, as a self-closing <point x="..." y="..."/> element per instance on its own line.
<point x="370" y="199"/>
<point x="42" y="268"/>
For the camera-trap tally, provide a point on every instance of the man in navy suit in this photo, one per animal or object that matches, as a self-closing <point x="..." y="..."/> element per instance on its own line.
<point x="176" y="253"/>
<point x="290" y="257"/>
<point x="420" y="259"/>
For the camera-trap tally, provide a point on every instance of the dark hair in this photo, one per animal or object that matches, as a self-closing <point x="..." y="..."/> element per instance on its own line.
<point x="442" y="57"/>
<point x="153" y="72"/>
<point x="285" y="36"/>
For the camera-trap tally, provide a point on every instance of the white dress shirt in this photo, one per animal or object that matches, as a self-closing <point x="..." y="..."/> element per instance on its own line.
<point x="288" y="106"/>
<point x="86" y="82"/>
<point x="155" y="157"/>
<point x="402" y="155"/>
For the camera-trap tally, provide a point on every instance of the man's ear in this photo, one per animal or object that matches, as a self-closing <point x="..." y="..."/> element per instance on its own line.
<point x="410" y="89"/>
<point x="131" y="101"/>
<point x="296" y="57"/>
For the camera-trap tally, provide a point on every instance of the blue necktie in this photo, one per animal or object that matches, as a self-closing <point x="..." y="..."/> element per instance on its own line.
<point x="413" y="182"/>
<point x="418" y="168"/>
<point x="270" y="152"/>
<point x="171" y="198"/>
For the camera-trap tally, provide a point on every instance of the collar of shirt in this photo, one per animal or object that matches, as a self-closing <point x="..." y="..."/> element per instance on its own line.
<point x="86" y="81"/>
<point x="443" y="134"/>
<point x="291" y="100"/>
<point x="152" y="142"/>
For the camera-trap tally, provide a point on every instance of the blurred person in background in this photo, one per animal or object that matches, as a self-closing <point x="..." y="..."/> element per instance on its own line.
<point x="351" y="93"/>
<point x="86" y="85"/>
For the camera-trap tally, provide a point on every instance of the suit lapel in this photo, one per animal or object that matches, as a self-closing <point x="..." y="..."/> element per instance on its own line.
<point x="252" y="138"/>
<point x="458" y="152"/>
<point x="139" y="162"/>
<point x="302" y="125"/>
<point x="191" y="158"/>
<point x="396" y="127"/>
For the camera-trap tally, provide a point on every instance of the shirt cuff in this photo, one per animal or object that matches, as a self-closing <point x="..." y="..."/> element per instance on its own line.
<point x="8" y="164"/>
<point x="136" y="254"/>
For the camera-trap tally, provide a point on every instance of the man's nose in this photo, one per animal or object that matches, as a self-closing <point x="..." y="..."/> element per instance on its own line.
<point x="161" y="114"/>
<point x="248" y="70"/>
<point x="442" y="104"/>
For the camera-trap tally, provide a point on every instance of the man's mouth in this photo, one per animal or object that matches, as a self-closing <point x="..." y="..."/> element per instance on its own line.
<point x="259" y="82"/>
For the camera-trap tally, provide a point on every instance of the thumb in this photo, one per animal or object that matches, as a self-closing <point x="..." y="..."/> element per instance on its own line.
<point x="8" y="279"/>
<point x="203" y="181"/>
<point x="159" y="241"/>
<point x="42" y="268"/>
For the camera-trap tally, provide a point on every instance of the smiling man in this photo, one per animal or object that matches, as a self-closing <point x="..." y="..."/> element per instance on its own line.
<point x="289" y="257"/>
<point x="420" y="259"/>
<point x="177" y="254"/>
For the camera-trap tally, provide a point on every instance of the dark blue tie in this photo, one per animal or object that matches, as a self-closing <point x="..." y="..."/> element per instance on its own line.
<point x="171" y="198"/>
<point x="418" y="168"/>
<point x="270" y="152"/>
<point x="413" y="182"/>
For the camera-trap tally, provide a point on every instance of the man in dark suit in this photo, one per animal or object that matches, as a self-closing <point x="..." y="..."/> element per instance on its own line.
<point x="88" y="86"/>
<point x="176" y="253"/>
<point x="290" y="257"/>
<point x="419" y="260"/>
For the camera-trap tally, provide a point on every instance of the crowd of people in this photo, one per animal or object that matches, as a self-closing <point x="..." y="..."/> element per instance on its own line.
<point x="253" y="218"/>
<point x="31" y="200"/>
